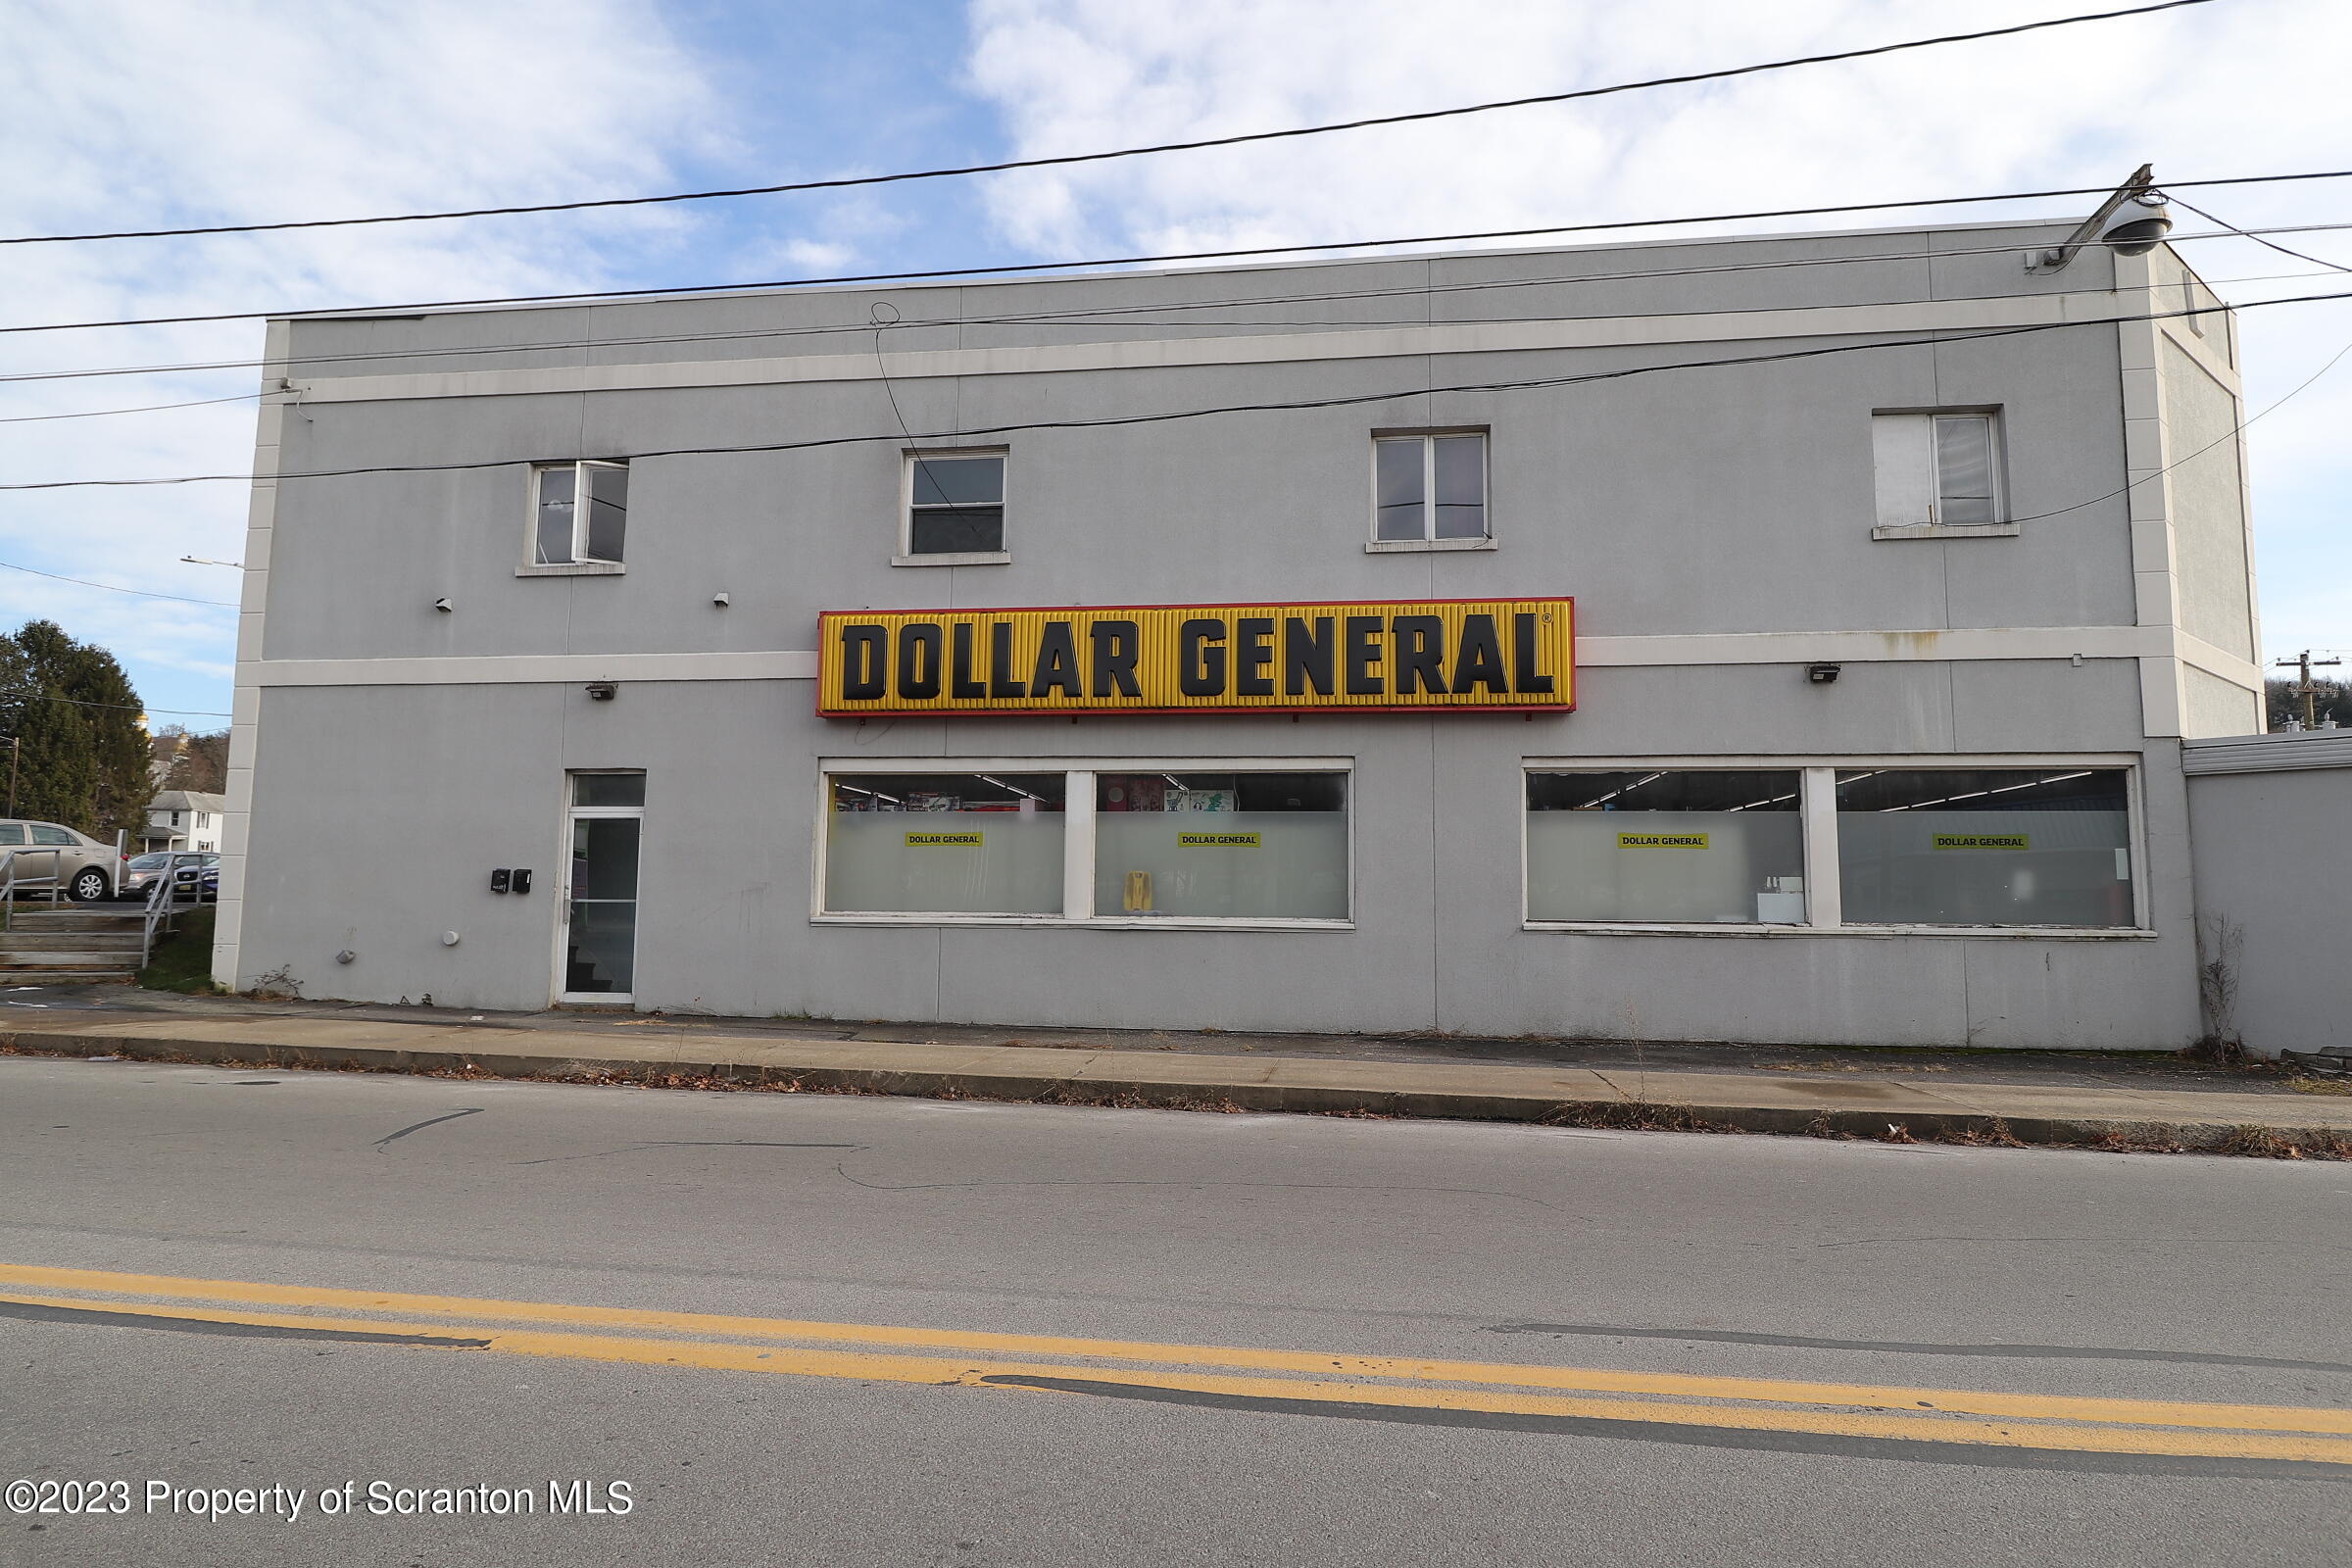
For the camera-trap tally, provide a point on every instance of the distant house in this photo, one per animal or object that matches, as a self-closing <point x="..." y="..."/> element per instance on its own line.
<point x="183" y="820"/>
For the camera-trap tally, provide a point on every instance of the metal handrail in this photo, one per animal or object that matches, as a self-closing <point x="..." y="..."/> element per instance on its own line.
<point x="163" y="903"/>
<point x="7" y="875"/>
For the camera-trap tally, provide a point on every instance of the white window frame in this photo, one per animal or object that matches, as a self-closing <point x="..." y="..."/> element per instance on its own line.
<point x="1375" y="545"/>
<point x="1817" y="803"/>
<point x="1078" y="841"/>
<point x="905" y="556"/>
<point x="532" y="566"/>
<point x="2001" y="527"/>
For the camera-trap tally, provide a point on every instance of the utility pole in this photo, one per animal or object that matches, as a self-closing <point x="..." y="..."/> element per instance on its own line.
<point x="2305" y="688"/>
<point x="16" y="745"/>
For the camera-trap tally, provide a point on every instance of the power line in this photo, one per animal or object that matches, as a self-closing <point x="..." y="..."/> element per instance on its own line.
<point x="1072" y="314"/>
<point x="2229" y="435"/>
<point x="1067" y="158"/>
<point x="133" y="708"/>
<point x="152" y="408"/>
<point x="2256" y="236"/>
<point x="1194" y="414"/>
<point x="951" y="272"/>
<point x="112" y="589"/>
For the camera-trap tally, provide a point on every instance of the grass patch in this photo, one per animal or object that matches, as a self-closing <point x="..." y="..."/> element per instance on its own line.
<point x="182" y="959"/>
<point x="2321" y="1086"/>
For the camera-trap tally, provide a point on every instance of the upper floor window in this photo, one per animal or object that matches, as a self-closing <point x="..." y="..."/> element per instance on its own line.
<point x="1937" y="470"/>
<point x="954" y="510"/>
<point x="1428" y="491"/>
<point x="579" y="514"/>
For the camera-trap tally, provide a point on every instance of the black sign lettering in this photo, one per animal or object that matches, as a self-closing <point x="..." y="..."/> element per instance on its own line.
<point x="1306" y="656"/>
<point x="1479" y="661"/>
<point x="1115" y="644"/>
<point x="1003" y="680"/>
<point x="1523" y="656"/>
<point x="918" y="659"/>
<point x="1056" y="663"/>
<point x="1254" y="657"/>
<point x="1420" y="654"/>
<point x="961" y="682"/>
<point x="864" y="663"/>
<point x="1200" y="657"/>
<point x="1363" y="655"/>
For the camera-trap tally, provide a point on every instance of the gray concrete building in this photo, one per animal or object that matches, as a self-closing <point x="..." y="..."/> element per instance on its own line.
<point x="1900" y="571"/>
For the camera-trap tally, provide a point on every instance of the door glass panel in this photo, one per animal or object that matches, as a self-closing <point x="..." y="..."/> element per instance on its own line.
<point x="607" y="789"/>
<point x="12" y="833"/>
<point x="601" y="955"/>
<point x="604" y="857"/>
<point x="601" y="937"/>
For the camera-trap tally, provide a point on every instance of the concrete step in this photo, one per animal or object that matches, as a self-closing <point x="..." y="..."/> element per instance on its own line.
<point x="49" y="939"/>
<point x="70" y="917"/>
<point x="10" y="979"/>
<point x="68" y="959"/>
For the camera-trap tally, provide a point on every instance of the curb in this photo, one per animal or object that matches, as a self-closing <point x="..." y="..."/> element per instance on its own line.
<point x="2271" y="1139"/>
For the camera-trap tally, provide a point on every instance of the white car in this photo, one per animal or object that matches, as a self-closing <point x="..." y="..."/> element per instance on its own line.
<point x="36" y="854"/>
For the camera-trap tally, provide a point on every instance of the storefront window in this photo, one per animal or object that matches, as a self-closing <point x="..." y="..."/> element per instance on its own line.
<point x="944" y="842"/>
<point x="1666" y="847"/>
<point x="1221" y="845"/>
<point x="1985" y="847"/>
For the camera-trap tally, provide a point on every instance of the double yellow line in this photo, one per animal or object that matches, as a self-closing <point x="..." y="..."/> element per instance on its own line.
<point x="1341" y="1383"/>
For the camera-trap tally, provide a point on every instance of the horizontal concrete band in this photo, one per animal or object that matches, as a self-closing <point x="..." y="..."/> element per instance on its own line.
<point x="2027" y="1113"/>
<point x="1696" y="649"/>
<point x="1239" y="348"/>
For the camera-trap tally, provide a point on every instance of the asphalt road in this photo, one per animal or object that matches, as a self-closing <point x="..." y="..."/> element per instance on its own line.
<point x="246" y="1280"/>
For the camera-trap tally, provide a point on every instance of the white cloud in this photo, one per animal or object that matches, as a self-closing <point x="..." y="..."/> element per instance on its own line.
<point x="255" y="111"/>
<point x="2249" y="87"/>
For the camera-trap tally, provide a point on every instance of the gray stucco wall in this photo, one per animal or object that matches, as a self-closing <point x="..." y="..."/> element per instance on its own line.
<point x="2274" y="895"/>
<point x="1728" y="500"/>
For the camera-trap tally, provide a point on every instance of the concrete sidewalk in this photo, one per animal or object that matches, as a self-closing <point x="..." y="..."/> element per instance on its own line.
<point x="1894" y="1105"/>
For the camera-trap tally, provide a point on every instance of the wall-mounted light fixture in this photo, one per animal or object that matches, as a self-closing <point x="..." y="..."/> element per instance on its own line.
<point x="1822" y="674"/>
<point x="602" y="691"/>
<point x="442" y="606"/>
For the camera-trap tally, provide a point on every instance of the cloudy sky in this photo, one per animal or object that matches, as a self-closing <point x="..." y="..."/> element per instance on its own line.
<point x="155" y="112"/>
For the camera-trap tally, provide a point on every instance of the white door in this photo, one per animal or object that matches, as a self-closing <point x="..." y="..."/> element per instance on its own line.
<point x="597" y="959"/>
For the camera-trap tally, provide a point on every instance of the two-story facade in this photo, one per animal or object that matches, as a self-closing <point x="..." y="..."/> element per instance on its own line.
<point x="184" y="820"/>
<point x="1894" y="573"/>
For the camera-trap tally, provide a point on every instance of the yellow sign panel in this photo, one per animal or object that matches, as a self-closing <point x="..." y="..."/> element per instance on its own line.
<point x="1983" y="841"/>
<point x="1491" y="655"/>
<point x="1661" y="841"/>
<point x="953" y="841"/>
<point x="1216" y="841"/>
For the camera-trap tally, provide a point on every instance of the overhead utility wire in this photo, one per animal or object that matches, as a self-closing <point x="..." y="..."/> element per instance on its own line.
<point x="131" y="707"/>
<point x="2256" y="236"/>
<point x="1048" y="318"/>
<point x="151" y="408"/>
<point x="953" y="273"/>
<point x="1064" y="159"/>
<point x="85" y="582"/>
<point x="1194" y="414"/>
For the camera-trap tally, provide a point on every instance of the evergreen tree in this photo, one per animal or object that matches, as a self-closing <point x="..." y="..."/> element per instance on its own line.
<point x="82" y="748"/>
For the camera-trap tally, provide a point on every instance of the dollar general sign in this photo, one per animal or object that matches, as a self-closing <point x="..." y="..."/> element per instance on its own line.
<point x="1415" y="656"/>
